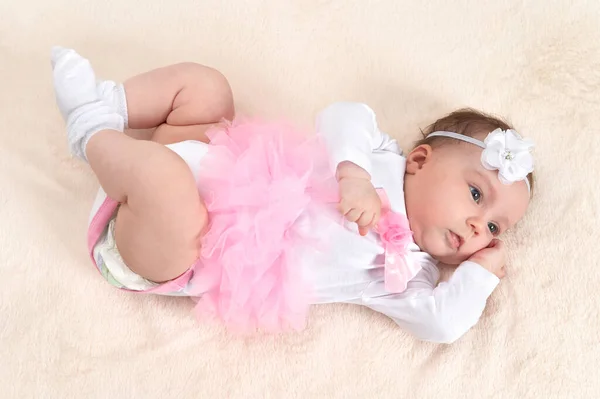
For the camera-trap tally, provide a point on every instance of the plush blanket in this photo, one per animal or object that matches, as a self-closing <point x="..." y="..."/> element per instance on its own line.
<point x="65" y="333"/>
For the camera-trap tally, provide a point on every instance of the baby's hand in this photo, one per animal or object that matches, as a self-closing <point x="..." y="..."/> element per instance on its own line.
<point x="492" y="258"/>
<point x="359" y="201"/>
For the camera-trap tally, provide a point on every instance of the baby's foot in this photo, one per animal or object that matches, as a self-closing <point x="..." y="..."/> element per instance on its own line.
<point x="74" y="80"/>
<point x="82" y="108"/>
<point x="113" y="94"/>
<point x="75" y="83"/>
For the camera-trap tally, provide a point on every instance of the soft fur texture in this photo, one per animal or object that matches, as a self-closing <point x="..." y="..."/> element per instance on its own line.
<point x="65" y="333"/>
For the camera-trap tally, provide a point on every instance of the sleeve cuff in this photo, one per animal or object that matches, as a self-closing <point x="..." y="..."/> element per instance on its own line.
<point x="475" y="274"/>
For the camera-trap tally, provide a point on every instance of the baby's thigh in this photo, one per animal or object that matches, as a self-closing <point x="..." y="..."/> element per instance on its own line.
<point x="158" y="230"/>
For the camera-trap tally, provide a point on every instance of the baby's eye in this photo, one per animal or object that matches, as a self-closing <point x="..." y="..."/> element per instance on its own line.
<point x="475" y="193"/>
<point x="493" y="228"/>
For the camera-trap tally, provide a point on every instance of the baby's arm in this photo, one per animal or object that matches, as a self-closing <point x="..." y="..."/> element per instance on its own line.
<point x="439" y="314"/>
<point x="351" y="134"/>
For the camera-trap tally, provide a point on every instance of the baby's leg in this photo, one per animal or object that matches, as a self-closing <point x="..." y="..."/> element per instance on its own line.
<point x="162" y="216"/>
<point x="182" y="101"/>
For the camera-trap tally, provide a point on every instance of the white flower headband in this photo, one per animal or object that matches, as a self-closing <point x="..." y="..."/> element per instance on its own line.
<point x="503" y="150"/>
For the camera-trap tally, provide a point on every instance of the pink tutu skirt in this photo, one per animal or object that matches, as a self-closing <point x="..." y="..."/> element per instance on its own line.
<point x="266" y="187"/>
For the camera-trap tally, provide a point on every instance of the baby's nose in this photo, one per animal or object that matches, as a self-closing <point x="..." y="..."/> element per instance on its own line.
<point x="476" y="224"/>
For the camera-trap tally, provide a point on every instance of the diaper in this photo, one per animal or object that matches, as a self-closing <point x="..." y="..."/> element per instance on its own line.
<point x="109" y="262"/>
<point x="113" y="268"/>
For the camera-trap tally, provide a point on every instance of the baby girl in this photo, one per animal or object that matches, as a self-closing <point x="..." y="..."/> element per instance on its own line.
<point x="255" y="222"/>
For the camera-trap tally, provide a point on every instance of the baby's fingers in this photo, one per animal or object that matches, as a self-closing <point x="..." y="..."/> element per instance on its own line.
<point x="365" y="222"/>
<point x="501" y="273"/>
<point x="376" y="217"/>
<point x="496" y="243"/>
<point x="363" y="231"/>
<point x="343" y="207"/>
<point x="353" y="215"/>
<point x="365" y="219"/>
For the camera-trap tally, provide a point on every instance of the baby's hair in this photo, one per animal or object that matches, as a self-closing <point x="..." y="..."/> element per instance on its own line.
<point x="466" y="121"/>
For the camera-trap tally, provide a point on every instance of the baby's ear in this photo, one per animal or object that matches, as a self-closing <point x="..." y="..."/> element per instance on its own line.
<point x="417" y="158"/>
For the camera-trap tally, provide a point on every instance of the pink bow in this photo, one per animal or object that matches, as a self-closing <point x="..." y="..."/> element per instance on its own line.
<point x="394" y="231"/>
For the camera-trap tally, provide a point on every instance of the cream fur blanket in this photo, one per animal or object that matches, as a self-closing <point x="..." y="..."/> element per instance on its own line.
<point x="65" y="333"/>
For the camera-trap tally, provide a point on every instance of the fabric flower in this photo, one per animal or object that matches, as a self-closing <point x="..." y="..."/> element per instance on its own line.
<point x="394" y="232"/>
<point x="508" y="153"/>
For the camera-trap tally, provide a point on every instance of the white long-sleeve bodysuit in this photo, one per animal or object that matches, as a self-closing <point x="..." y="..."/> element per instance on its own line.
<point x="353" y="272"/>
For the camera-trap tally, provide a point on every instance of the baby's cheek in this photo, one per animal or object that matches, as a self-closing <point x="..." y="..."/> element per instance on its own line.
<point x="434" y="244"/>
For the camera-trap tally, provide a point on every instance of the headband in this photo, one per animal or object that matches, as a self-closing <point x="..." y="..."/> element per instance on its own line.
<point x="503" y="150"/>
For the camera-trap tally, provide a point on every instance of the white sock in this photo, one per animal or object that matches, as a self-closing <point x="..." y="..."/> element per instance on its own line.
<point x="80" y="105"/>
<point x="113" y="93"/>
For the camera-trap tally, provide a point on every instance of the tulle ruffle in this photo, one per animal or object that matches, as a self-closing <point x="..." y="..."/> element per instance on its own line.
<point x="266" y="187"/>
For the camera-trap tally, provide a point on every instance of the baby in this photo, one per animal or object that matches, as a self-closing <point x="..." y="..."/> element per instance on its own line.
<point x="175" y="214"/>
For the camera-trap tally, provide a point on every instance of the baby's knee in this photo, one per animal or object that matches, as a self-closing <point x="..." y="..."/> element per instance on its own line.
<point x="210" y="83"/>
<point x="205" y="76"/>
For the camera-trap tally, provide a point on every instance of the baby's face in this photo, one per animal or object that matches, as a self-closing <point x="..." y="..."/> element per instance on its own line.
<point x="454" y="205"/>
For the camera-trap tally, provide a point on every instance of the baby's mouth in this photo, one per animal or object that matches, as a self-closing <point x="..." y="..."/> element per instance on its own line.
<point x="454" y="240"/>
